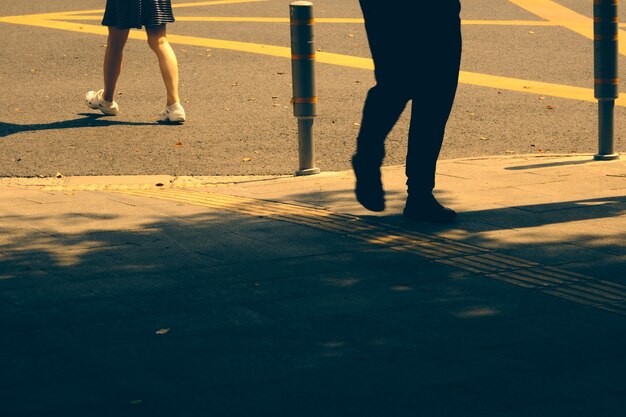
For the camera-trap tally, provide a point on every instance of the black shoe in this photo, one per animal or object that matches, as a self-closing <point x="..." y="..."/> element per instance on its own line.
<point x="428" y="209"/>
<point x="369" y="187"/>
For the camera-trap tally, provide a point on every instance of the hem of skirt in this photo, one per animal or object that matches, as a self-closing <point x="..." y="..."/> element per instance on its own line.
<point x="103" y="23"/>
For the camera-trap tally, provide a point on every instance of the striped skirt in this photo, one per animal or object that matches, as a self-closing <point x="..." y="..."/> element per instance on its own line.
<point x="127" y="14"/>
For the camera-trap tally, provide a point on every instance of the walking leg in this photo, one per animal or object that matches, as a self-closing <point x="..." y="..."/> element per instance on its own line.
<point x="113" y="60"/>
<point x="168" y="63"/>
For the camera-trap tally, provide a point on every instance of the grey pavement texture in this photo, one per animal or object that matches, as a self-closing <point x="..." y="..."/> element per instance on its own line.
<point x="276" y="296"/>
<point x="240" y="121"/>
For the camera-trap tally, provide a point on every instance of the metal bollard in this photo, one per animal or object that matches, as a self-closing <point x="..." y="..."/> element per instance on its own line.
<point x="303" y="80"/>
<point x="605" y="25"/>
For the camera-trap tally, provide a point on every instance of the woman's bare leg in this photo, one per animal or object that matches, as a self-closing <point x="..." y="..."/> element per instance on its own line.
<point x="167" y="61"/>
<point x="113" y="60"/>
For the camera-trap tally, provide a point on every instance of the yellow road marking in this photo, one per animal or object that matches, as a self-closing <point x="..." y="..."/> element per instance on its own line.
<point x="214" y="3"/>
<point x="554" y="13"/>
<point x="175" y="6"/>
<point x="532" y="87"/>
<point x="323" y="20"/>
<point x="217" y="19"/>
<point x="507" y="23"/>
<point x="562" y="16"/>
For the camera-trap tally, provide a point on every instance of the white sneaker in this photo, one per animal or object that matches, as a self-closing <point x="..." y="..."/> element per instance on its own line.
<point x="173" y="114"/>
<point x="95" y="100"/>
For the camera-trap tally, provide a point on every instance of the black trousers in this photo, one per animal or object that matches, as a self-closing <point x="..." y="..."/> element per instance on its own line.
<point x="416" y="49"/>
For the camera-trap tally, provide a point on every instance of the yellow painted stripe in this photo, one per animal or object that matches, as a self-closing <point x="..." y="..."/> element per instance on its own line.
<point x="174" y="6"/>
<point x="507" y="23"/>
<point x="469" y="78"/>
<point x="532" y="87"/>
<point x="225" y="19"/>
<point x="213" y="3"/>
<point x="47" y="21"/>
<point x="31" y="19"/>
<point x="327" y="20"/>
<point x="561" y="15"/>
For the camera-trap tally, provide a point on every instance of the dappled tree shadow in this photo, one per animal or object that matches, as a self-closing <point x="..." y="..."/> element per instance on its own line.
<point x="257" y="317"/>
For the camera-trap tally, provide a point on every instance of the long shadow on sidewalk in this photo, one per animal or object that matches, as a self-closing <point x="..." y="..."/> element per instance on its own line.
<point x="217" y="313"/>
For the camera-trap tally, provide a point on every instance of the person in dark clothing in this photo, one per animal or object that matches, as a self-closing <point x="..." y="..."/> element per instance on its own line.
<point x="414" y="62"/>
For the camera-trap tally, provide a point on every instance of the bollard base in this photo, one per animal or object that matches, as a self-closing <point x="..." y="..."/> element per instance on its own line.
<point x="308" y="171"/>
<point x="606" y="157"/>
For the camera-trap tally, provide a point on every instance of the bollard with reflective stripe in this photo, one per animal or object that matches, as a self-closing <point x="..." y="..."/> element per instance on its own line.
<point x="606" y="82"/>
<point x="303" y="81"/>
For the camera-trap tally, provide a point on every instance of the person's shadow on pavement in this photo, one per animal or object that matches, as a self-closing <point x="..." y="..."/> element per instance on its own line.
<point x="87" y="120"/>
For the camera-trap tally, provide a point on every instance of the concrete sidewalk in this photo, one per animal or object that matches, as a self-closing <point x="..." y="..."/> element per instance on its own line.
<point x="282" y="296"/>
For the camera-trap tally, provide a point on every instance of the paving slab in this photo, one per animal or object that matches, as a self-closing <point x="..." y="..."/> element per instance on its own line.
<point x="235" y="296"/>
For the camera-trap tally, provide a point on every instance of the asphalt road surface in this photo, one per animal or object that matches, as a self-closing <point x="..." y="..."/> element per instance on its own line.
<point x="526" y="87"/>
